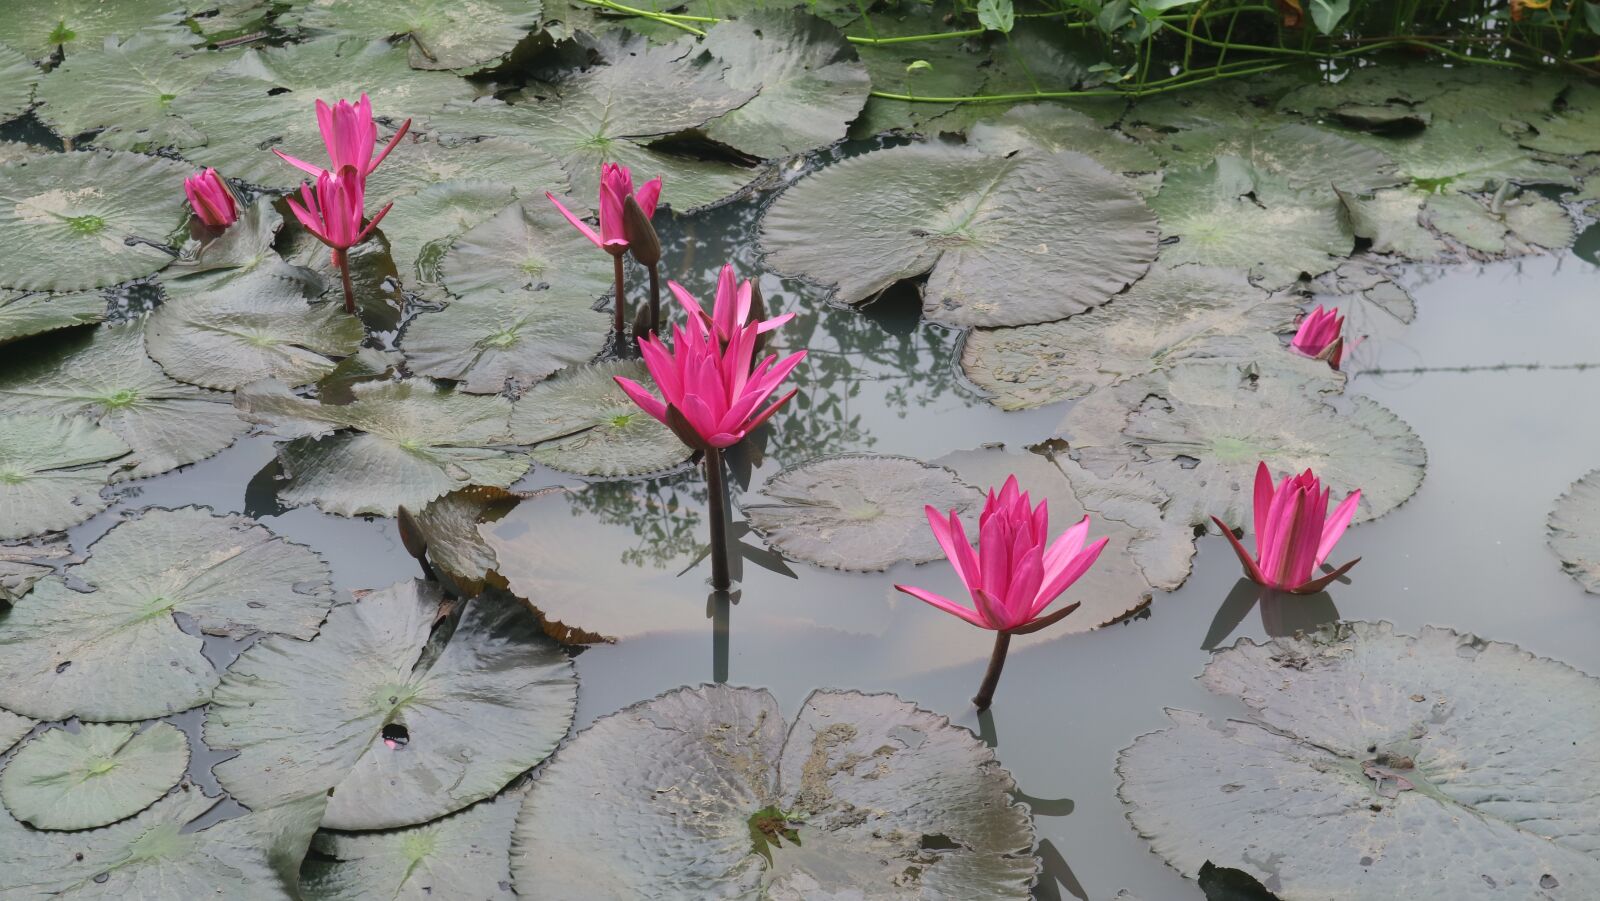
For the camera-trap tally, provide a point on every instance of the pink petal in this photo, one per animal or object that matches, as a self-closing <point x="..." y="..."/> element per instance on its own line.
<point x="404" y="127"/>
<point x="648" y="195"/>
<point x="1334" y="528"/>
<point x="1250" y="568"/>
<point x="944" y="604"/>
<point x="942" y="534"/>
<point x="1263" y="500"/>
<point x="1065" y="579"/>
<point x="577" y="223"/>
<point x="298" y="164"/>
<point x="644" y="399"/>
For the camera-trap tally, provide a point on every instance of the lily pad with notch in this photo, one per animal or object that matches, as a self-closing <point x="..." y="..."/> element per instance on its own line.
<point x="13" y="728"/>
<point x="52" y="470"/>
<point x="1050" y="128"/>
<point x="443" y="34"/>
<point x="419" y="162"/>
<point x="486" y="340"/>
<point x="95" y="776"/>
<point x="22" y="565"/>
<point x="448" y="527"/>
<point x="433" y="218"/>
<point x="581" y="422"/>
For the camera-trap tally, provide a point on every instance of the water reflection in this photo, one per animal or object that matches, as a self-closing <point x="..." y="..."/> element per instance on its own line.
<point x="1282" y="614"/>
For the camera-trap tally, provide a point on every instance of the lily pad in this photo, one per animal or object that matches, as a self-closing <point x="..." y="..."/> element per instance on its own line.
<point x="417" y="164"/>
<point x="1469" y="151"/>
<point x="581" y="422"/>
<point x="12" y="728"/>
<point x="443" y="34"/>
<point x="11" y="151"/>
<point x="126" y="92"/>
<point x="449" y="525"/>
<point x="22" y="315"/>
<point x="94" y="776"/>
<point x="52" y="469"/>
<point x="116" y="653"/>
<point x="1170" y="315"/>
<point x="970" y="222"/>
<point x="18" y="75"/>
<point x="432" y="218"/>
<point x="735" y="809"/>
<point x="107" y="378"/>
<point x="488" y="339"/>
<point x="1575" y="531"/>
<point x="811" y="83"/>
<point x="526" y="246"/>
<point x="244" y="249"/>
<point x="39" y="28"/>
<point x="1573" y="128"/>
<point x="1303" y="157"/>
<point x="1378" y="765"/>
<point x="1198" y="429"/>
<point x="70" y="221"/>
<point x="396" y="728"/>
<point x="21" y="567"/>
<point x="1500" y="227"/>
<point x="857" y="512"/>
<point x="1051" y="127"/>
<point x="1391" y="221"/>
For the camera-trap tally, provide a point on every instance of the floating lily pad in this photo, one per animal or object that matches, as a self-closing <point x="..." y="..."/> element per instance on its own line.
<point x="12" y="728"/>
<point x="107" y="378"/>
<point x="449" y="525"/>
<point x="1392" y="221"/>
<point x="38" y="28"/>
<point x="487" y="339"/>
<point x="1379" y="765"/>
<point x="18" y="75"/>
<point x="21" y="567"/>
<point x="1500" y="227"/>
<point x="1573" y="128"/>
<point x="922" y="69"/>
<point x="94" y="776"/>
<point x="1198" y="429"/>
<point x="443" y="34"/>
<point x="1469" y="151"/>
<point x="245" y="248"/>
<point x="70" y="221"/>
<point x="432" y="218"/>
<point x="396" y="727"/>
<point x="116" y="653"/>
<point x="526" y="246"/>
<point x="11" y="151"/>
<point x="22" y="315"/>
<point x="582" y="423"/>
<point x="1051" y="127"/>
<point x="1575" y="531"/>
<point x="1303" y="157"/>
<point x="52" y="469"/>
<point x="734" y="809"/>
<point x="857" y="512"/>
<point x="1184" y="313"/>
<point x="970" y="221"/>
<point x="126" y="91"/>
<point x="521" y="169"/>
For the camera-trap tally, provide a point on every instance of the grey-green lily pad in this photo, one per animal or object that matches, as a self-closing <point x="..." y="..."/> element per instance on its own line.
<point x="70" y="221"/>
<point x="526" y="246"/>
<point x="94" y="776"/>
<point x="581" y="422"/>
<point x="489" y="339"/>
<point x="12" y="728"/>
<point x="106" y="377"/>
<point x="464" y="855"/>
<point x="1181" y="313"/>
<point x="735" y="809"/>
<point x="1051" y="127"/>
<point x="1538" y="220"/>
<point x="220" y="20"/>
<point x="1377" y="765"/>
<point x="973" y="223"/>
<point x="39" y="28"/>
<point x="116" y="653"/>
<point x="1470" y="151"/>
<point x="52" y="469"/>
<point x="449" y="526"/>
<point x="1385" y="118"/>
<point x="521" y="169"/>
<point x="811" y="82"/>
<point x="11" y="151"/>
<point x="18" y="75"/>
<point x="1572" y="129"/>
<point x="1528" y="218"/>
<point x="22" y="315"/>
<point x="1198" y="430"/>
<point x="857" y="512"/>
<point x="1303" y="157"/>
<point x="443" y="34"/>
<point x="22" y="566"/>
<point x="1392" y="221"/>
<point x="265" y="99"/>
<point x="432" y="219"/>
<point x="125" y="90"/>
<point x="243" y="249"/>
<point x="395" y="444"/>
<point x="1574" y="527"/>
<point x="395" y="726"/>
<point x="259" y="327"/>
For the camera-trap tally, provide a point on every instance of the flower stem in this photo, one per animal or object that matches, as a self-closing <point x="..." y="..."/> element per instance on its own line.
<point x="620" y="323"/>
<point x="717" y="511"/>
<point x="655" y="298"/>
<point x="341" y="258"/>
<point x="991" y="678"/>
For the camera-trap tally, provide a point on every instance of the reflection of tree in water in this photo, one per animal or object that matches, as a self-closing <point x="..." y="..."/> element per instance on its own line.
<point x="665" y="514"/>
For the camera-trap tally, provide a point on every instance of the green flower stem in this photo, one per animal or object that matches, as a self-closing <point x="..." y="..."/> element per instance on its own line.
<point x="1152" y="88"/>
<point x="672" y="19"/>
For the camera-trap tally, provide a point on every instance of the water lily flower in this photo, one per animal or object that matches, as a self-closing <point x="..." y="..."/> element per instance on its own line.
<point x="1294" y="532"/>
<point x="350" y="136"/>
<point x="334" y="214"/>
<point x="213" y="202"/>
<point x="616" y="187"/>
<point x="1321" y="336"/>
<point x="731" y="310"/>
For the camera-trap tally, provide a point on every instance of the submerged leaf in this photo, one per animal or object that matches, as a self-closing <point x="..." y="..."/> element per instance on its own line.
<point x="94" y="776"/>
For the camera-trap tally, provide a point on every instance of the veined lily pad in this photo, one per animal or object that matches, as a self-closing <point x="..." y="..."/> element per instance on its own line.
<point x="972" y="222"/>
<point x="1170" y="315"/>
<point x="449" y="525"/>
<point x="12" y="728"/>
<point x="395" y="444"/>
<point x="18" y="75"/>
<point x="857" y="512"/>
<point x="444" y="34"/>
<point x="1051" y="127"/>
<point x="486" y="339"/>
<point x="1379" y="765"/>
<point x="126" y="90"/>
<point x="107" y="378"/>
<point x="70" y="221"/>
<point x="52" y="469"/>
<point x="92" y="777"/>
<point x="245" y="248"/>
<point x="11" y="151"/>
<point x="39" y="28"/>
<point x="432" y="218"/>
<point x="395" y="727"/>
<point x="1198" y="429"/>
<point x="581" y="422"/>
<point x="116" y="653"/>
<point x="1575" y="531"/>
<point x="736" y="810"/>
<point x="22" y="315"/>
<point x="417" y="164"/>
<point x="529" y="246"/>
<point x="1304" y="157"/>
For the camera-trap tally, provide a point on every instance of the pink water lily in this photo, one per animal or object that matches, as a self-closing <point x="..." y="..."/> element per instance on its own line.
<point x="616" y="185"/>
<point x="350" y="136"/>
<point x="732" y="309"/>
<point x="1321" y="336"/>
<point x="334" y="214"/>
<point x="1294" y="532"/>
<point x="213" y="201"/>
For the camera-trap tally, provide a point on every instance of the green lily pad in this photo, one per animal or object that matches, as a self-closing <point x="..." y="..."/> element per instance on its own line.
<point x="94" y="776"/>
<point x="735" y="809"/>
<point x="1303" y="157"/>
<point x="857" y="512"/>
<point x="1050" y="127"/>
<point x="265" y="99"/>
<point x="106" y="377"/>
<point x="464" y="855"/>
<point x="944" y="68"/>
<point x="449" y="525"/>
<point x="521" y="169"/>
<point x="115" y="653"/>
<point x="12" y="728"/>
<point x="487" y="339"/>
<point x="18" y="75"/>
<point x="68" y="220"/>
<point x="219" y="20"/>
<point x="581" y="422"/>
<point x="22" y="315"/>
<point x="395" y="444"/>
<point x="39" y="28"/>
<point x="972" y="222"/>
<point x="443" y="34"/>
<point x="1392" y="221"/>
<point x="1170" y="315"/>
<point x="811" y="83"/>
<point x="396" y="728"/>
<point x="1197" y="430"/>
<point x="529" y="246"/>
<point x="126" y="91"/>
<point x="1378" y="765"/>
<point x="52" y="469"/>
<point x="432" y="218"/>
<point x="1470" y="151"/>
<point x="1575" y="531"/>
<point x="11" y="151"/>
<point x="1573" y="128"/>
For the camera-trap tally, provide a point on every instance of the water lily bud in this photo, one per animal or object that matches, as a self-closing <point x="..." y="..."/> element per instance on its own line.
<point x="642" y="239"/>
<point x="416" y="544"/>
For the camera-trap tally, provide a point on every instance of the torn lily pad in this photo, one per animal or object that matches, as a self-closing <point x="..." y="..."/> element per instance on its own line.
<point x="1492" y="743"/>
<point x="125" y="91"/>
<point x="489" y="339"/>
<point x="116" y="653"/>
<point x="1574" y="531"/>
<point x="449" y="528"/>
<point x="1467" y="151"/>
<point x="397" y="722"/>
<point x="52" y="469"/>
<point x="867" y="795"/>
<point x="1573" y="127"/>
<point x="581" y="422"/>
<point x="40" y="28"/>
<point x="974" y="224"/>
<point x="526" y="246"/>
<point x="442" y="34"/>
<point x="857" y="512"/>
<point x="94" y="776"/>
<point x="18" y="75"/>
<point x="1500" y="226"/>
<point x="22" y="315"/>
